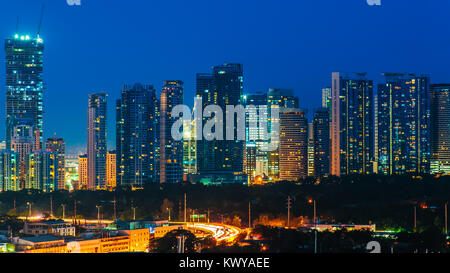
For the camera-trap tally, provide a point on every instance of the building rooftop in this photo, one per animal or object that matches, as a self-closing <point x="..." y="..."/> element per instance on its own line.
<point x="40" y="239"/>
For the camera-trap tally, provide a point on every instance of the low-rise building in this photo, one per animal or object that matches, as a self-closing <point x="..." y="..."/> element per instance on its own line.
<point x="52" y="227"/>
<point x="41" y="244"/>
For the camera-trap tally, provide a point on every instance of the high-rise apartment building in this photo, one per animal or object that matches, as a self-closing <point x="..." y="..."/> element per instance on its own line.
<point x="136" y="139"/>
<point x="403" y="124"/>
<point x="82" y="171"/>
<point x="58" y="146"/>
<point x="221" y="161"/>
<point x="321" y="136"/>
<point x="22" y="143"/>
<point x="43" y="171"/>
<point x="311" y="170"/>
<point x="352" y="124"/>
<point x="111" y="172"/>
<point x="293" y="144"/>
<point x="9" y="171"/>
<point x="171" y="151"/>
<point x="280" y="99"/>
<point x="24" y="86"/>
<point x="256" y="154"/>
<point x="96" y="141"/>
<point x="440" y="128"/>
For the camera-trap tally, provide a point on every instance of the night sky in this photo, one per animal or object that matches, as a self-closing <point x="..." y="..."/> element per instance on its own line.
<point x="296" y="44"/>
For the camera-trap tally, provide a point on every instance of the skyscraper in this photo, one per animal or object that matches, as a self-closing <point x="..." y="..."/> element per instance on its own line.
<point x="111" y="171"/>
<point x="403" y="124"/>
<point x="440" y="128"/>
<point x="82" y="171"/>
<point x="256" y="155"/>
<point x="24" y="86"/>
<point x="293" y="144"/>
<point x="352" y="128"/>
<point x="321" y="136"/>
<point x="9" y="171"/>
<point x="326" y="97"/>
<point x="278" y="98"/>
<point x="221" y="160"/>
<point x="58" y="146"/>
<point x="311" y="157"/>
<point x="96" y="141"/>
<point x="22" y="143"/>
<point x="228" y="83"/>
<point x="135" y="135"/>
<point x="207" y="93"/>
<point x="171" y="151"/>
<point x="43" y="171"/>
<point x="189" y="150"/>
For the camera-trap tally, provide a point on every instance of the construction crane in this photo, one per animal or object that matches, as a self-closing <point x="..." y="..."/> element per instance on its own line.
<point x="40" y="20"/>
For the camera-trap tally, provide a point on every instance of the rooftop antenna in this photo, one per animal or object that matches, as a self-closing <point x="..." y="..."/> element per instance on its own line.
<point x="40" y="21"/>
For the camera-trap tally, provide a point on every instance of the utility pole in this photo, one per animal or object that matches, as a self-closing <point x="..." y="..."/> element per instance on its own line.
<point x="75" y="211"/>
<point x="315" y="225"/>
<point x="185" y="208"/>
<point x="98" y="214"/>
<point x="134" y="213"/>
<point x="289" y="211"/>
<point x="208" y="216"/>
<point x="14" y="204"/>
<point x="315" y="218"/>
<point x="180" y="243"/>
<point x="51" y="206"/>
<point x="415" y="218"/>
<point x="29" y="209"/>
<point x="64" y="211"/>
<point x="115" y="216"/>
<point x="249" y="215"/>
<point x="445" y="211"/>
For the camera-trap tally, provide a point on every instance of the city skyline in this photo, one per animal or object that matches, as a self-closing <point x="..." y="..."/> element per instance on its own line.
<point x="301" y="70"/>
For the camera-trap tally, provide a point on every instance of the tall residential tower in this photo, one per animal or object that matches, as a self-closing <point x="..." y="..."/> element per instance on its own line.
<point x="24" y="86"/>
<point x="96" y="141"/>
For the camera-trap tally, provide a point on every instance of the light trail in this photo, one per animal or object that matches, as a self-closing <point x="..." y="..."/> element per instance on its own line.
<point x="219" y="232"/>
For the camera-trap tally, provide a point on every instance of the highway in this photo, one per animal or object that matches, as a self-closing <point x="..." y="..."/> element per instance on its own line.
<point x="220" y="232"/>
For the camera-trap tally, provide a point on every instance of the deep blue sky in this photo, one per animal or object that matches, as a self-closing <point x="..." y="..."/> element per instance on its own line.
<point x="104" y="44"/>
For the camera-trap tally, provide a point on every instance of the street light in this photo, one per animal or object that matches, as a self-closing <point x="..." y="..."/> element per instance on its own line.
<point x="29" y="209"/>
<point x="98" y="214"/>
<point x="313" y="201"/>
<point x="134" y="213"/>
<point x="64" y="211"/>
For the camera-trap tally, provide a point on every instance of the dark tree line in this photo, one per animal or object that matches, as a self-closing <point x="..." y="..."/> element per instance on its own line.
<point x="387" y="201"/>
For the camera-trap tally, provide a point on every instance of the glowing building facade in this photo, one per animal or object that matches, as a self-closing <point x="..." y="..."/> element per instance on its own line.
<point x="58" y="146"/>
<point x="24" y="86"/>
<point x="278" y="98"/>
<point x="96" y="141"/>
<point x="111" y="173"/>
<point x="321" y="140"/>
<point x="221" y="161"/>
<point x="352" y="124"/>
<point x="440" y="128"/>
<point x="256" y="155"/>
<point x="43" y="171"/>
<point x="171" y="151"/>
<point x="403" y="124"/>
<point x="82" y="171"/>
<point x="136" y="135"/>
<point x="293" y="144"/>
<point x="9" y="171"/>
